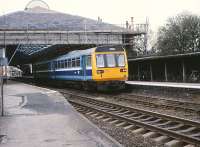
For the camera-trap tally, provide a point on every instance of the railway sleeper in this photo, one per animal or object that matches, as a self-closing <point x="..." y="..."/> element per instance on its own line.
<point x="101" y="117"/>
<point x="150" y="135"/>
<point x="114" y="121"/>
<point x="174" y="127"/>
<point x="162" y="139"/>
<point x="107" y="119"/>
<point x="139" y="131"/>
<point x="174" y="143"/>
<point x="128" y="127"/>
<point x="121" y="124"/>
<point x="144" y="131"/>
<point x="187" y="130"/>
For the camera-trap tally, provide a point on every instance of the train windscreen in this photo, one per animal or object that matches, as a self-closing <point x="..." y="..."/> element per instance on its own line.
<point x="120" y="59"/>
<point x="110" y="60"/>
<point x="100" y="60"/>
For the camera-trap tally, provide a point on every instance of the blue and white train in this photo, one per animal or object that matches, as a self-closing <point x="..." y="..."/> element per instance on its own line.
<point x="105" y="65"/>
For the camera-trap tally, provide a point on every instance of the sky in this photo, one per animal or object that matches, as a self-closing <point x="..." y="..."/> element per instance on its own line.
<point x="115" y="11"/>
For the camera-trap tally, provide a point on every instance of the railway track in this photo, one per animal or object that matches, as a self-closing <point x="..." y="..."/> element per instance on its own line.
<point x="161" y="102"/>
<point x="164" y="128"/>
<point x="158" y="102"/>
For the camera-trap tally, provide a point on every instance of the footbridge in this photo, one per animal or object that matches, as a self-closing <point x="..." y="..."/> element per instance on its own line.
<point x="38" y="32"/>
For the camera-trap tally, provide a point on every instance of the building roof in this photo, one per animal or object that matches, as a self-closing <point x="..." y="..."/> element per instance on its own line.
<point x="40" y="18"/>
<point x="165" y="57"/>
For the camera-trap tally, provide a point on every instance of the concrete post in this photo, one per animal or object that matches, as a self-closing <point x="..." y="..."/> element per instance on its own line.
<point x="138" y="72"/>
<point x="151" y="72"/>
<point x="184" y="69"/>
<point x="166" y="76"/>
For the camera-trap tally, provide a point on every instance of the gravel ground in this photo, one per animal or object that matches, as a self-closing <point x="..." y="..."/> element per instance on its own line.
<point x="170" y="93"/>
<point x="124" y="137"/>
<point x="164" y="110"/>
<point x="113" y="98"/>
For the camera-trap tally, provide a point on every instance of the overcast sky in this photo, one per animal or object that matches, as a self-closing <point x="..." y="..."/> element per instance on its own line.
<point x="114" y="11"/>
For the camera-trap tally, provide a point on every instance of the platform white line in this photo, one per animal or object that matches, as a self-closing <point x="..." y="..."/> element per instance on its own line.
<point x="166" y="84"/>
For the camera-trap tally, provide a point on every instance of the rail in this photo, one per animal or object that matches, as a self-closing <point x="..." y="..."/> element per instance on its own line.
<point x="173" y="127"/>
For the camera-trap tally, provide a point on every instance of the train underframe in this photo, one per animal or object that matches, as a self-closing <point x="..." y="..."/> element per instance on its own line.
<point x="86" y="85"/>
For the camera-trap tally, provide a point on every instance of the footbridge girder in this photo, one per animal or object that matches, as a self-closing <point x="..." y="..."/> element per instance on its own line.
<point x="99" y="37"/>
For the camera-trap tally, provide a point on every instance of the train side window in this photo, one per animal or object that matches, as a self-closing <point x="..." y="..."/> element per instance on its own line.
<point x="59" y="65"/>
<point x="51" y="63"/>
<point x="77" y="62"/>
<point x="62" y="64"/>
<point x="100" y="60"/>
<point x="66" y="64"/>
<point x="73" y="62"/>
<point x="70" y="63"/>
<point x="88" y="61"/>
<point x="54" y="64"/>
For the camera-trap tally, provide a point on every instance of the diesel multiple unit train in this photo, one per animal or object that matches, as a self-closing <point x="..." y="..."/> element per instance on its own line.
<point x="98" y="67"/>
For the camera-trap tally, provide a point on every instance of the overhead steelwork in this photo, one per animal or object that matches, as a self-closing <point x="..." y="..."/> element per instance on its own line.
<point x="37" y="24"/>
<point x="14" y="37"/>
<point x="30" y="49"/>
<point x="39" y="32"/>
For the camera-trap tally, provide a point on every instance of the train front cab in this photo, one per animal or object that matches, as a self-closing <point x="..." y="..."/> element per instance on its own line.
<point x="110" y="66"/>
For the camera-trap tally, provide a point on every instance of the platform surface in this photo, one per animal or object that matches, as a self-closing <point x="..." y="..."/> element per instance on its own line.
<point x="38" y="117"/>
<point x="166" y="84"/>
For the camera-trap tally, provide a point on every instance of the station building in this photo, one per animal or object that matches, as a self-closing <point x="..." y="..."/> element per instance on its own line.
<point x="169" y="68"/>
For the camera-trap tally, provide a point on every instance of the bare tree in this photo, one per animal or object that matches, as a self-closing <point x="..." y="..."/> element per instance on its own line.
<point x="181" y="34"/>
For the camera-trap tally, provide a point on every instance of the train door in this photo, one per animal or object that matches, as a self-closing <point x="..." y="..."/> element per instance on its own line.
<point x="53" y="69"/>
<point x="84" y="67"/>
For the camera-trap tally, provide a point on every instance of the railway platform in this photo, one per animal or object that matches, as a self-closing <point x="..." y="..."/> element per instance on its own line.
<point x="39" y="117"/>
<point x="165" y="84"/>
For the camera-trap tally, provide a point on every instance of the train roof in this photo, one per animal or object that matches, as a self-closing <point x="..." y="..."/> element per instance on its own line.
<point x="76" y="53"/>
<point x="110" y="48"/>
